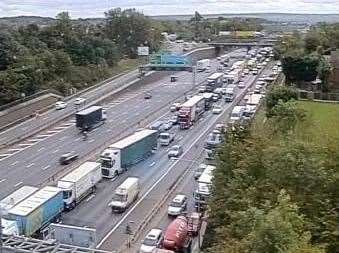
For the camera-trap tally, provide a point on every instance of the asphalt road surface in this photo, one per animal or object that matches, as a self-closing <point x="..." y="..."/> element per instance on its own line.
<point x="35" y="160"/>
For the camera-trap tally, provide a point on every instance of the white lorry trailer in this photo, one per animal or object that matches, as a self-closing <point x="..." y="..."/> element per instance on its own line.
<point x="203" y="64"/>
<point x="127" y="152"/>
<point x="125" y="194"/>
<point x="37" y="211"/>
<point x="79" y="183"/>
<point x="9" y="227"/>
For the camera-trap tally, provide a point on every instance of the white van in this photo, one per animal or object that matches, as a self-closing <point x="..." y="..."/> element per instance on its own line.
<point x="237" y="114"/>
<point x="125" y="194"/>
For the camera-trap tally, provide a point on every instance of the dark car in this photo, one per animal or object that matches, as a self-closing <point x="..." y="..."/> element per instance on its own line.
<point x="68" y="158"/>
<point x="147" y="95"/>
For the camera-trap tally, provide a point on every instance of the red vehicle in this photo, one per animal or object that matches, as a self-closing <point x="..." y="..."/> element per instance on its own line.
<point x="194" y="223"/>
<point x="176" y="236"/>
<point x="190" y="111"/>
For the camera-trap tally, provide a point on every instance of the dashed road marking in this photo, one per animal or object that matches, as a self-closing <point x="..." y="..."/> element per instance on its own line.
<point x="16" y="185"/>
<point x="30" y="165"/>
<point x="40" y="149"/>
<point x="92" y="140"/>
<point x="152" y="164"/>
<point x="15" y="149"/>
<point x="90" y="197"/>
<point x="3" y="180"/>
<point x="55" y="151"/>
<point x="16" y="162"/>
<point x="46" y="167"/>
<point x="25" y="144"/>
<point x="5" y="155"/>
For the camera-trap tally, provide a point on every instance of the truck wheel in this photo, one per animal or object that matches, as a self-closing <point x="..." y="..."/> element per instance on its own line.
<point x="116" y="173"/>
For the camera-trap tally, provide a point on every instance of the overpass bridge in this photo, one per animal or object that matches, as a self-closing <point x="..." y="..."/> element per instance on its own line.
<point x="242" y="44"/>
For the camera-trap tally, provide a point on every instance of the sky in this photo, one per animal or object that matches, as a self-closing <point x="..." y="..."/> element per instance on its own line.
<point x="96" y="8"/>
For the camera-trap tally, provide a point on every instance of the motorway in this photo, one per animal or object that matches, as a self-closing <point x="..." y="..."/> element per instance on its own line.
<point x="157" y="175"/>
<point x="36" y="159"/>
<point x="188" y="163"/>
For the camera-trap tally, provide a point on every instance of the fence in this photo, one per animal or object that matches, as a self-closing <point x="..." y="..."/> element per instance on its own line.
<point x="318" y="96"/>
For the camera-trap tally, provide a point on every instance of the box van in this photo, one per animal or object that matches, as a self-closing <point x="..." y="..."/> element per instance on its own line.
<point x="125" y="194"/>
<point x="237" y="114"/>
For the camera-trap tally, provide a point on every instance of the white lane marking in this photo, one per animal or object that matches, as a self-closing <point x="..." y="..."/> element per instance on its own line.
<point x="40" y="149"/>
<point x="90" y="197"/>
<point x="109" y="130"/>
<point x="5" y="155"/>
<point x="15" y="149"/>
<point x="16" y="162"/>
<point x="25" y="144"/>
<point x="152" y="164"/>
<point x="53" y="131"/>
<point x="34" y="140"/>
<point x="3" y="180"/>
<point x="16" y="185"/>
<point x="55" y="151"/>
<point x="44" y="136"/>
<point x="30" y="165"/>
<point x="46" y="167"/>
<point x="90" y="141"/>
<point x="77" y="139"/>
<point x="159" y="180"/>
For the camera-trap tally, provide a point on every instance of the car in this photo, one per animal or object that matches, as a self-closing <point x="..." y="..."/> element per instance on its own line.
<point x="60" y="105"/>
<point x="167" y="125"/>
<point x="220" y="127"/>
<point x="215" y="97"/>
<point x="202" y="89"/>
<point x="80" y="101"/>
<point x="199" y="170"/>
<point x="216" y="109"/>
<point x="175" y="107"/>
<point x="67" y="158"/>
<point x="152" y="240"/>
<point x="174" y="119"/>
<point x="241" y="85"/>
<point x="157" y="125"/>
<point x="178" y="205"/>
<point x="147" y="95"/>
<point x="175" y="151"/>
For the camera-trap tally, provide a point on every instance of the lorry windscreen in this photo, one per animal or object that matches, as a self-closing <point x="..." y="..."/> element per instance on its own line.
<point x="67" y="194"/>
<point x="120" y="197"/>
<point x="107" y="163"/>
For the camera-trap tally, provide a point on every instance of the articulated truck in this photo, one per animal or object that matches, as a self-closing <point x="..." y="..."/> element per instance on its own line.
<point x="191" y="111"/>
<point x="37" y="211"/>
<point x="127" y="152"/>
<point x="80" y="183"/>
<point x="9" y="227"/>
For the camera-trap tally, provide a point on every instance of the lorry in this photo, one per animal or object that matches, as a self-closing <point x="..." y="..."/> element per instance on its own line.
<point x="79" y="183"/>
<point x="203" y="65"/>
<point x="203" y="189"/>
<point x="208" y="100"/>
<point x="237" y="114"/>
<point x="166" y="138"/>
<point x="214" y="81"/>
<point x="232" y="77"/>
<point x="90" y="118"/>
<point x="9" y="227"/>
<point x="125" y="194"/>
<point x="119" y="156"/>
<point x="37" y="211"/>
<point x="191" y="111"/>
<point x="229" y="94"/>
<point x="176" y="237"/>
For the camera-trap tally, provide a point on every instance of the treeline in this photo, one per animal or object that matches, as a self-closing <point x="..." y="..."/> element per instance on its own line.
<point x="68" y="55"/>
<point x="275" y="188"/>
<point x="202" y="29"/>
<point x="303" y="56"/>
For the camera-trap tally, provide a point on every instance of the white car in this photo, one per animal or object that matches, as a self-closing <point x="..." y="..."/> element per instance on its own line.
<point x="216" y="109"/>
<point x="241" y="85"/>
<point x="79" y="101"/>
<point x="60" y="105"/>
<point x="178" y="205"/>
<point x="152" y="240"/>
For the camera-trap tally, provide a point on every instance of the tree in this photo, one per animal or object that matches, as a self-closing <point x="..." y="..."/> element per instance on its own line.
<point x="279" y="93"/>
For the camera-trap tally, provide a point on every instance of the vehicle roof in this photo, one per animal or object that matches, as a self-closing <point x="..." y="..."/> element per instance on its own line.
<point x="179" y="198"/>
<point x="215" y="76"/>
<point x="127" y="184"/>
<point x="81" y="171"/>
<point x="192" y="101"/>
<point x="89" y="110"/>
<point x="34" y="201"/>
<point x="17" y="196"/>
<point x="153" y="233"/>
<point x="137" y="136"/>
<point x="238" y="108"/>
<point x="207" y="175"/>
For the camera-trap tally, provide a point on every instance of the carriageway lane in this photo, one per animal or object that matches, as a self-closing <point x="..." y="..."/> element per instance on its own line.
<point x="37" y="163"/>
<point x="156" y="191"/>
